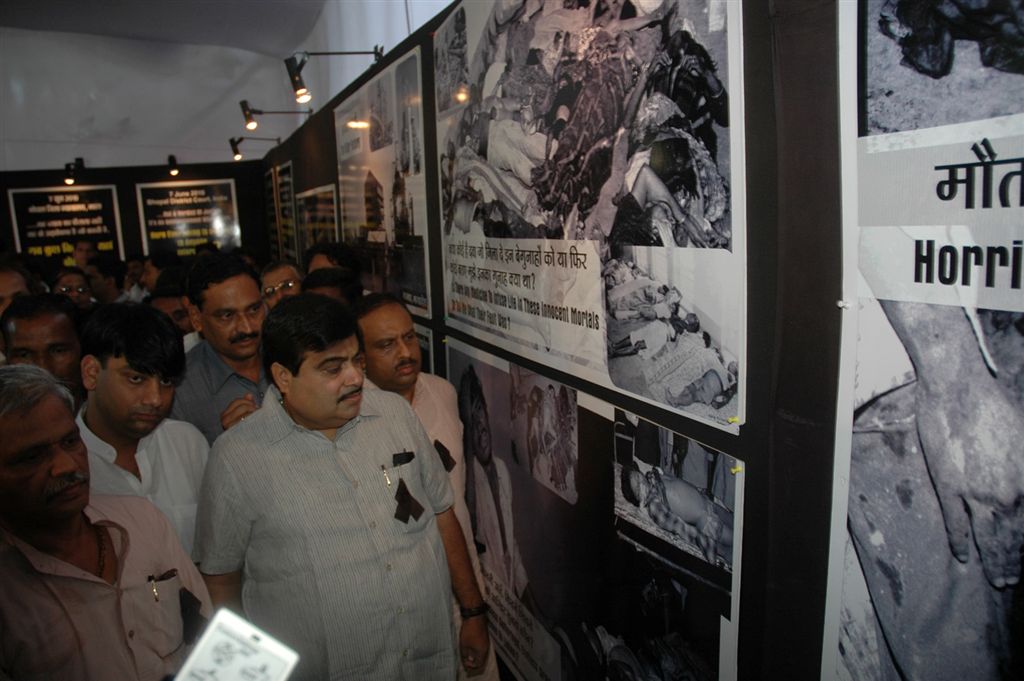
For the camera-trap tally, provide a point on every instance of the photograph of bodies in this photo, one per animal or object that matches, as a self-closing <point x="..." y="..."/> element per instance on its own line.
<point x="592" y="191"/>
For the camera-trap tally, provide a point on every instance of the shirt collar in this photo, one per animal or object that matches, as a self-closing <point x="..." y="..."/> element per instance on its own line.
<point x="216" y="368"/>
<point x="100" y="447"/>
<point x="93" y="443"/>
<point x="280" y="424"/>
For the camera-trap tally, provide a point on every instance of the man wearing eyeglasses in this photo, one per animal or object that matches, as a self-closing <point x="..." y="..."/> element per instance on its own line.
<point x="224" y="378"/>
<point x="279" y="280"/>
<point x="73" y="283"/>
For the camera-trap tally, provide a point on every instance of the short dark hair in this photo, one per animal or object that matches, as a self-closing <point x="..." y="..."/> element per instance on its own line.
<point x="368" y="303"/>
<point x="7" y="264"/>
<point x="339" y="254"/>
<point x="305" y="323"/>
<point x="144" y="336"/>
<point x="335" y="277"/>
<point x="275" y="265"/>
<point x="172" y="278"/>
<point x="164" y="259"/>
<point x="109" y="265"/>
<point x="65" y="271"/>
<point x="211" y="269"/>
<point x="32" y="307"/>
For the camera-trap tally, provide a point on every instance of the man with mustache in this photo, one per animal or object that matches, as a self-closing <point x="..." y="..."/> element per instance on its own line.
<point x="42" y="330"/>
<point x="327" y="516"/>
<point x="393" y="363"/>
<point x="224" y="378"/>
<point x="94" y="587"/>
<point x="131" y="359"/>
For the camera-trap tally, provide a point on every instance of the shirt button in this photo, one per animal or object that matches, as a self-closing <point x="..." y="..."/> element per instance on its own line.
<point x="405" y="653"/>
<point x="373" y="524"/>
<point x="401" y="610"/>
<point x="131" y="633"/>
<point x="388" y="567"/>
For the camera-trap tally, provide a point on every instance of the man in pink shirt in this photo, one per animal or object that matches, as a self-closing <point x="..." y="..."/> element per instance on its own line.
<point x="92" y="588"/>
<point x="393" y="363"/>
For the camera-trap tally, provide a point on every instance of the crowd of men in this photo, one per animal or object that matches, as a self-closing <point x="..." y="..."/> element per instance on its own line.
<point x="175" y="438"/>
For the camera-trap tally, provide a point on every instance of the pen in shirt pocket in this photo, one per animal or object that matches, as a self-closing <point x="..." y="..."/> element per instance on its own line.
<point x="154" y="580"/>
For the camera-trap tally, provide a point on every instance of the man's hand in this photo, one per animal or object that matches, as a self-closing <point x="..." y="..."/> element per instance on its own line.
<point x="971" y="433"/>
<point x="474" y="643"/>
<point x="238" y="410"/>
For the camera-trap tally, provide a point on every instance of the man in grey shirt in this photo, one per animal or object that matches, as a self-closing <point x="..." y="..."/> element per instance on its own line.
<point x="327" y="516"/>
<point x="224" y="378"/>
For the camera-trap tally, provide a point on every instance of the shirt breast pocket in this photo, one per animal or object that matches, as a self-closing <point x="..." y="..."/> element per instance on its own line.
<point x="158" y="612"/>
<point x="409" y="499"/>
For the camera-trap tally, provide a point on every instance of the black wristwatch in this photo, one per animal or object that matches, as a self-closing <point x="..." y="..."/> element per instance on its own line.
<point x="481" y="609"/>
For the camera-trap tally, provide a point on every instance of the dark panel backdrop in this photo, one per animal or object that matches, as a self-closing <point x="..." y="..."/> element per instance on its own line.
<point x="247" y="175"/>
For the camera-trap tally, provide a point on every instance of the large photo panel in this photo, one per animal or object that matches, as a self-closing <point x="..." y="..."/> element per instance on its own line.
<point x="382" y="184"/>
<point x="606" y="543"/>
<point x="926" y="550"/>
<point x="591" y="178"/>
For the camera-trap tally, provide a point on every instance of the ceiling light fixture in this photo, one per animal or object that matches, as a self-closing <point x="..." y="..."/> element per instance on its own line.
<point x="172" y="164"/>
<point x="295" y="63"/>
<point x="71" y="169"/>
<point x="236" y="152"/>
<point x="250" y="114"/>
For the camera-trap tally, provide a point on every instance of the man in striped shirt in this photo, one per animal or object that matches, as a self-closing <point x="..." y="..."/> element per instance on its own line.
<point x="326" y="516"/>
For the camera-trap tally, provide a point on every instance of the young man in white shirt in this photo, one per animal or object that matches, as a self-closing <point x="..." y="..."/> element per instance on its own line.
<point x="131" y="359"/>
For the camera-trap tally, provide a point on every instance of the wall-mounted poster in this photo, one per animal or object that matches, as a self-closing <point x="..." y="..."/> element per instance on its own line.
<point x="48" y="221"/>
<point x="177" y="216"/>
<point x="383" y="188"/>
<point x="286" y="213"/>
<point x="929" y="527"/>
<point x="584" y="580"/>
<point x="270" y="206"/>
<point x="592" y="189"/>
<point x="316" y="216"/>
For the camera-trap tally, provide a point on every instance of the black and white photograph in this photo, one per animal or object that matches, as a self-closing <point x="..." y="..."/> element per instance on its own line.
<point x="928" y="553"/>
<point x="657" y="345"/>
<point x="381" y="191"/>
<point x="382" y="112"/>
<point x="601" y="130"/>
<point x="451" y="69"/>
<point x="410" y="116"/>
<point x="938" y="62"/>
<point x="675" y="488"/>
<point x="935" y="511"/>
<point x="598" y="121"/>
<point x="545" y="429"/>
<point x="576" y="591"/>
<point x="316" y="216"/>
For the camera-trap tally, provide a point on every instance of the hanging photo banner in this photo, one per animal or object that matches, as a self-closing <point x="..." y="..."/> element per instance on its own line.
<point x="178" y="216"/>
<point x="592" y="193"/>
<point x="316" y="216"/>
<point x="579" y="587"/>
<point x="286" y="213"/>
<point x="48" y="221"/>
<point x="926" y="557"/>
<point x="379" y="129"/>
<point x="272" y="218"/>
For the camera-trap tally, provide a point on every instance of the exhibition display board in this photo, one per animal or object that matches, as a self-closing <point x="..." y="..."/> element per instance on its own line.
<point x="316" y="217"/>
<point x="592" y="193"/>
<point x="381" y="173"/>
<point x="929" y="492"/>
<point x="48" y="221"/>
<point x="177" y="216"/>
<point x="637" y="556"/>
